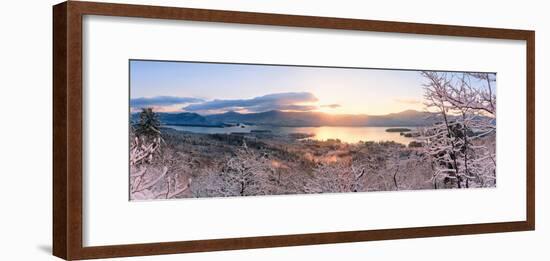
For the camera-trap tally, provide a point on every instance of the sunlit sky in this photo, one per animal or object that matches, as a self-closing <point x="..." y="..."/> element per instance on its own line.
<point x="213" y="88"/>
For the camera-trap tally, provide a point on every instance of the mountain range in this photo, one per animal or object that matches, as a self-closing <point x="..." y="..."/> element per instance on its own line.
<point x="295" y="119"/>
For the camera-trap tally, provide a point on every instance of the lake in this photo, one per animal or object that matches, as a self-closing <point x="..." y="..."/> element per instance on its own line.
<point x="345" y="134"/>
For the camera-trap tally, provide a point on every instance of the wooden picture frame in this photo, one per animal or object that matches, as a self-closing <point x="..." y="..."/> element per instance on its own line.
<point x="68" y="145"/>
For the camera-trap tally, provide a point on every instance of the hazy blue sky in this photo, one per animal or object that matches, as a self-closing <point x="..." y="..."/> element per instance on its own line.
<point x="211" y="88"/>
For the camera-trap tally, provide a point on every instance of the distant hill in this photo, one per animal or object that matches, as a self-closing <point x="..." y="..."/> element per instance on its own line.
<point x="182" y="119"/>
<point x="404" y="118"/>
<point x="306" y="119"/>
<point x="296" y="119"/>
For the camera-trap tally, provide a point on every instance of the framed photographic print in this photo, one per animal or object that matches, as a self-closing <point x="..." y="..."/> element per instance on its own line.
<point x="186" y="130"/>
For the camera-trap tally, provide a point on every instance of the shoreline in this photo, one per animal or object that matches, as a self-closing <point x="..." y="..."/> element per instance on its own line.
<point x="299" y="135"/>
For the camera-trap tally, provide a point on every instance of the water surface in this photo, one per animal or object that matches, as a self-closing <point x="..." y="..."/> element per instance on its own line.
<point x="345" y="134"/>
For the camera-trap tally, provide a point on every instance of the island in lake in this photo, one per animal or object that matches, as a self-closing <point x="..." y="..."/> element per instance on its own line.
<point x="398" y="130"/>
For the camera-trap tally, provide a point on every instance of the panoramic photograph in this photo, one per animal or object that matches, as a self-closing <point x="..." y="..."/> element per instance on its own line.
<point x="200" y="130"/>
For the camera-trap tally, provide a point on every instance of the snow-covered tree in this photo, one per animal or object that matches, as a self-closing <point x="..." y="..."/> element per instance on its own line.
<point x="465" y="104"/>
<point x="245" y="173"/>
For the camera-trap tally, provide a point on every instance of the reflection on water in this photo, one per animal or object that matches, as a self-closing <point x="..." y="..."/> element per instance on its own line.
<point x="345" y="134"/>
<point x="354" y="134"/>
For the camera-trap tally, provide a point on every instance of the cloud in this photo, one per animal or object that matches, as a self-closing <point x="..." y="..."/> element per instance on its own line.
<point x="277" y="101"/>
<point x="292" y="107"/>
<point x="331" y="106"/>
<point x="161" y="101"/>
<point x="408" y="101"/>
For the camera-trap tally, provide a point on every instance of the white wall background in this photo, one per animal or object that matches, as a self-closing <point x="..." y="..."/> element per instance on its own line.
<point x="25" y="129"/>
